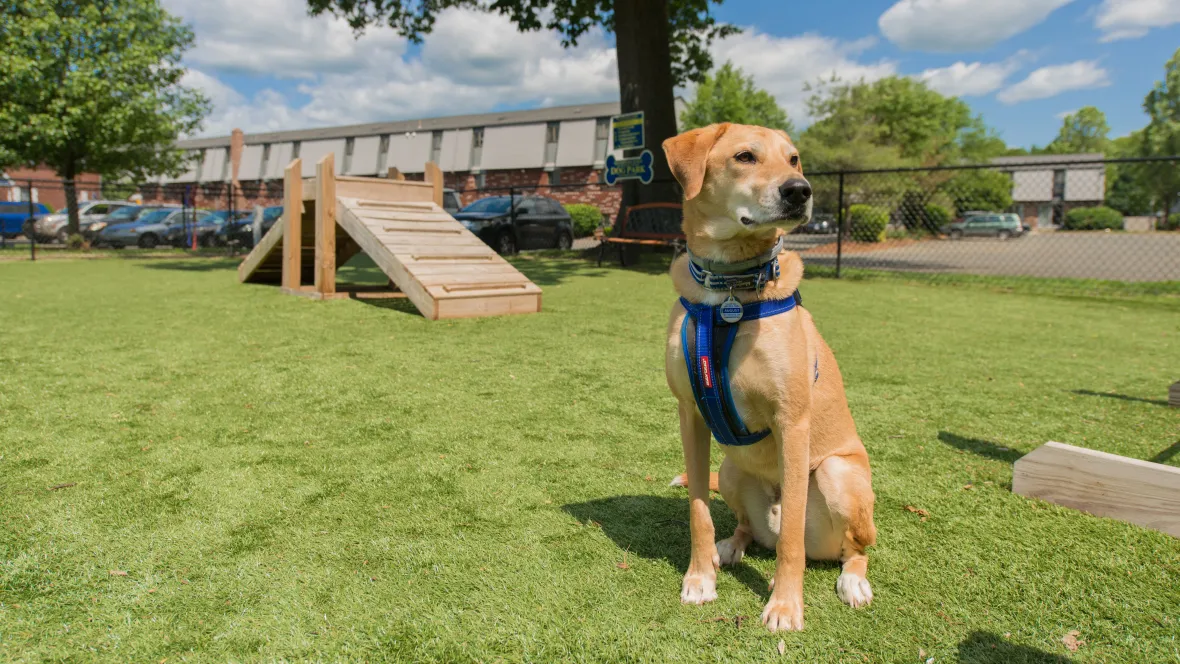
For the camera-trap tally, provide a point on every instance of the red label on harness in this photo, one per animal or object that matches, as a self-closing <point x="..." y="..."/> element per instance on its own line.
<point x="706" y="373"/>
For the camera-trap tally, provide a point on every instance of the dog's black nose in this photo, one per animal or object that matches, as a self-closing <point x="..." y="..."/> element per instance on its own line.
<point x="795" y="192"/>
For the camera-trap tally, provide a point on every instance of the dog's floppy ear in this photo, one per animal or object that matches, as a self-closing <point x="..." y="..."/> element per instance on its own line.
<point x="688" y="153"/>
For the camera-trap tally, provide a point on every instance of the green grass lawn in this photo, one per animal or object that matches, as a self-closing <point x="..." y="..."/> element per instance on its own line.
<point x="282" y="479"/>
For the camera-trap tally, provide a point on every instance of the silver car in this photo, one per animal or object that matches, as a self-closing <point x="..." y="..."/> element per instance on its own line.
<point x="55" y="227"/>
<point x="150" y="229"/>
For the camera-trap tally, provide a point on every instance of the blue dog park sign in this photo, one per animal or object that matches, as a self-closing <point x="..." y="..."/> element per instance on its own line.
<point x="627" y="134"/>
<point x="634" y="168"/>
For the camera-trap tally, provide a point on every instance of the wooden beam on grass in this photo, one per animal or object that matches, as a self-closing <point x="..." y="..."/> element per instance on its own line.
<point x="1139" y="492"/>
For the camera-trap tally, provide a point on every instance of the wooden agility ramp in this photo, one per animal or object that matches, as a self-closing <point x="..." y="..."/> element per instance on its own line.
<point x="429" y="257"/>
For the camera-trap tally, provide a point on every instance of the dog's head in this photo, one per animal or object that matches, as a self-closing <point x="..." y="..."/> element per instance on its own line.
<point x="740" y="179"/>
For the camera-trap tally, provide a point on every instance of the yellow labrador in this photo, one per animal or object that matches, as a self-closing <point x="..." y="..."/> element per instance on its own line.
<point x="805" y="489"/>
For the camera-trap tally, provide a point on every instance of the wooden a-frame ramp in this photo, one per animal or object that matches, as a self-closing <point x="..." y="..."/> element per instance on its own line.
<point x="429" y="257"/>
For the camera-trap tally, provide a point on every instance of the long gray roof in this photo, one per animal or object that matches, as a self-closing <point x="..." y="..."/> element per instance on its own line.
<point x="551" y="114"/>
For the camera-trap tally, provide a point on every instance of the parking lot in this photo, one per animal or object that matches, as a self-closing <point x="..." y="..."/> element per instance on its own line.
<point x="1115" y="256"/>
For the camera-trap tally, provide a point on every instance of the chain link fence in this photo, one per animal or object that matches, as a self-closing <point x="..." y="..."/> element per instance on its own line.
<point x="1046" y="217"/>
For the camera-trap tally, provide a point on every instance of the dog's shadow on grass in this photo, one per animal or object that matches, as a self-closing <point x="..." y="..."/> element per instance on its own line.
<point x="988" y="648"/>
<point x="656" y="528"/>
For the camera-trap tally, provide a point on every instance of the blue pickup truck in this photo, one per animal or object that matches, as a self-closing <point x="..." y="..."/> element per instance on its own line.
<point x="14" y="215"/>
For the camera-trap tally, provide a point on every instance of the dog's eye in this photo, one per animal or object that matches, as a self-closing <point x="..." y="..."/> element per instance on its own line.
<point x="795" y="160"/>
<point x="745" y="157"/>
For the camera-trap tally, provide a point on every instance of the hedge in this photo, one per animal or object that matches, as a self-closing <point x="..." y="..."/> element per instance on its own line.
<point x="1093" y="219"/>
<point x="868" y="222"/>
<point x="937" y="216"/>
<point x="585" y="218"/>
<point x="1173" y="222"/>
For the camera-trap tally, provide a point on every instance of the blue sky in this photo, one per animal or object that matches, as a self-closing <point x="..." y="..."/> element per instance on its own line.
<point x="1022" y="64"/>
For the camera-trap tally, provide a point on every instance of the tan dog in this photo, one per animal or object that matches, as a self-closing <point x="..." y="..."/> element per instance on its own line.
<point x="805" y="490"/>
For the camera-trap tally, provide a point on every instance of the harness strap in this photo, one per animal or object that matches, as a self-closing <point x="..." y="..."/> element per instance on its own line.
<point x="707" y="340"/>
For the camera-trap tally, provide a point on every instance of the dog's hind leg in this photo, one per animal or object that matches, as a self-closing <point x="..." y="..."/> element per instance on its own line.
<point x="841" y="487"/>
<point x="751" y="505"/>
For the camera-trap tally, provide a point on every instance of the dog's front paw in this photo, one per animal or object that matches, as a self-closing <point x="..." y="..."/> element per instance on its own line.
<point x="730" y="552"/>
<point x="785" y="615"/>
<point x="698" y="588"/>
<point x="853" y="590"/>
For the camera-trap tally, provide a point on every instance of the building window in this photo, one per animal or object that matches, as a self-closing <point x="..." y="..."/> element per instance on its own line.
<point x="1059" y="184"/>
<point x="225" y="167"/>
<point x="295" y="149"/>
<point x="436" y="147"/>
<point x="552" y="131"/>
<point x="382" y="155"/>
<point x="349" y="146"/>
<point x="555" y="176"/>
<point x="476" y="147"/>
<point x="601" y="134"/>
<point x="265" y="160"/>
<point x="481" y="180"/>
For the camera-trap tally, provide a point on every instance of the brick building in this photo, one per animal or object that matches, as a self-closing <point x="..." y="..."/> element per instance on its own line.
<point x="480" y="155"/>
<point x="1045" y="187"/>
<point x="46" y="186"/>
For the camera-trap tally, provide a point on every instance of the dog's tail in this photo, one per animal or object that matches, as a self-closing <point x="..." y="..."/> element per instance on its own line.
<point x="682" y="480"/>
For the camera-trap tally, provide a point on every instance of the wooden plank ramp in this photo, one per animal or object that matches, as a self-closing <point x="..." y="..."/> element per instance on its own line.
<point x="443" y="268"/>
<point x="264" y="263"/>
<point x="1139" y="492"/>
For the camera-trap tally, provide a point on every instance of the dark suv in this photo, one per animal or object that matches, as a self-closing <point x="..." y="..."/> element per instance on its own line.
<point x="534" y="222"/>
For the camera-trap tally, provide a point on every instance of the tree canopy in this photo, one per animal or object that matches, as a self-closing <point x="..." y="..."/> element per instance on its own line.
<point x="94" y="86"/>
<point x="895" y="121"/>
<point x="1082" y="131"/>
<point x="729" y="95"/>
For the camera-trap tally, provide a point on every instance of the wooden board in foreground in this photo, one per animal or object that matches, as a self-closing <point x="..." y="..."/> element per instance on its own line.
<point x="1139" y="492"/>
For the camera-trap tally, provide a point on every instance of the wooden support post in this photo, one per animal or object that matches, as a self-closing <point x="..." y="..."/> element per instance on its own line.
<point x="325" y="225"/>
<point x="292" y="224"/>
<point x="395" y="174"/>
<point x="435" y="177"/>
<point x="1140" y="492"/>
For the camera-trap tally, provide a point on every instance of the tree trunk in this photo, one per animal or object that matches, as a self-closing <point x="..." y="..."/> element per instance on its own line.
<point x="68" y="173"/>
<point x="643" y="34"/>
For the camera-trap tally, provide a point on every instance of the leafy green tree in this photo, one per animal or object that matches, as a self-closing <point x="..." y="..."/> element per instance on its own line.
<point x="1161" y="137"/>
<point x="659" y="44"/>
<point x="728" y="95"/>
<point x="1083" y="131"/>
<point x="94" y="86"/>
<point x="1126" y="190"/>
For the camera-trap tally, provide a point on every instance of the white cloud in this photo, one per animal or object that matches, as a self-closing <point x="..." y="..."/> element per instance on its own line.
<point x="971" y="79"/>
<point x="1128" y="19"/>
<point x="1051" y="81"/>
<point x="1065" y="114"/>
<point x="949" y="26"/>
<point x="345" y="80"/>
<point x="783" y="65"/>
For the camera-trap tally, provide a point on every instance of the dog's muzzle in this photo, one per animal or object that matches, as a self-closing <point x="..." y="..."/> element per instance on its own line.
<point x="795" y="197"/>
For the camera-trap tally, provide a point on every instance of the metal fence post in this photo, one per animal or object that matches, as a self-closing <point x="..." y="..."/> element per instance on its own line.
<point x="512" y="212"/>
<point x="840" y="225"/>
<point x="32" y="236"/>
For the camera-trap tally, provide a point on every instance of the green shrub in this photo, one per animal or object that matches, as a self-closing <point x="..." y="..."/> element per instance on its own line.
<point x="937" y="216"/>
<point x="1093" y="219"/>
<point x="75" y="241"/>
<point x="584" y="217"/>
<point x="1172" y="223"/>
<point x="867" y="223"/>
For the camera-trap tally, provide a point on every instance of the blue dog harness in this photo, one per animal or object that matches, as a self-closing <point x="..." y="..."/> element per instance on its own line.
<point x="707" y="335"/>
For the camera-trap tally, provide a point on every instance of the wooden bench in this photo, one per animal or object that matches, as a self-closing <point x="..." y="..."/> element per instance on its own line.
<point x="645" y="225"/>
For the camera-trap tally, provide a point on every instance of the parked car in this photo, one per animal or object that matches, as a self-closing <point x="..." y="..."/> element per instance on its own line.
<point x="537" y="222"/>
<point x="14" y="215"/>
<point x="203" y="223"/>
<point x="147" y="231"/>
<point x="123" y="215"/>
<point x="55" y="227"/>
<point x="820" y="224"/>
<point x="241" y="229"/>
<point x="991" y="224"/>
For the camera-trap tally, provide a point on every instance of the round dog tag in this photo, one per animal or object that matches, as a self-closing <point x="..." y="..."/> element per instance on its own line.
<point x="731" y="310"/>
